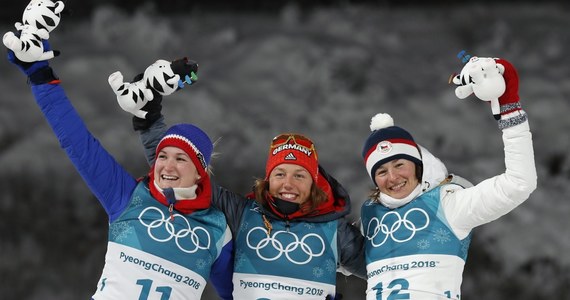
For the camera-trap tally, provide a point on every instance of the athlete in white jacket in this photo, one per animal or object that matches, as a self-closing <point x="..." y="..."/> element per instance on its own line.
<point x="416" y="237"/>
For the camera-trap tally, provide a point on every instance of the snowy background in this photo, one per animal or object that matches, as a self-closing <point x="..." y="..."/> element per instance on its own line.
<point x="323" y="72"/>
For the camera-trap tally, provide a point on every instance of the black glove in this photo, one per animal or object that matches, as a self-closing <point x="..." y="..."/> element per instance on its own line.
<point x="186" y="69"/>
<point x="153" y="109"/>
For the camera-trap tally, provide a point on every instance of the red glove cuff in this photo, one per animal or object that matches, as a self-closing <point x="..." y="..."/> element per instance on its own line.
<point x="511" y="94"/>
<point x="509" y="101"/>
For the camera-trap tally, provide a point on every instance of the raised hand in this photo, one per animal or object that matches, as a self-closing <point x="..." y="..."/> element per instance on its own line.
<point x="509" y="100"/>
<point x="482" y="77"/>
<point x="27" y="44"/>
<point x="143" y="97"/>
<point x="38" y="72"/>
<point x="38" y="20"/>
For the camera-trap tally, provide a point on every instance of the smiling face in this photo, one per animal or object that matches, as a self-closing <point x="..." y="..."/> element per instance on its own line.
<point x="396" y="178"/>
<point x="291" y="183"/>
<point x="173" y="168"/>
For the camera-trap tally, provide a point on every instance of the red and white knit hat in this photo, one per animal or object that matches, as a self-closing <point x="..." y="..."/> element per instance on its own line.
<point x="199" y="147"/>
<point x="193" y="141"/>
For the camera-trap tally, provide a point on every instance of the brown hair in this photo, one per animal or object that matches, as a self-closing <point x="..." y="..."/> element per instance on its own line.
<point x="316" y="197"/>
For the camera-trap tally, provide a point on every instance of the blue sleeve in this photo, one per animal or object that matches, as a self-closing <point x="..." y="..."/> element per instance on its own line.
<point x="222" y="272"/>
<point x="108" y="181"/>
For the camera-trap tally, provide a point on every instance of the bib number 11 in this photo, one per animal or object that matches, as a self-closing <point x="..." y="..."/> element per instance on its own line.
<point x="147" y="286"/>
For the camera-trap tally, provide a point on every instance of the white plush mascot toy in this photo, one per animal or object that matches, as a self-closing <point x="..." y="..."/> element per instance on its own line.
<point x="39" y="19"/>
<point x="482" y="76"/>
<point x="43" y="14"/>
<point x="131" y="96"/>
<point x="162" y="78"/>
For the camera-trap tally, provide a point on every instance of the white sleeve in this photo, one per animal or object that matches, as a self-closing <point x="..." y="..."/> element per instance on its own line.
<point x="494" y="197"/>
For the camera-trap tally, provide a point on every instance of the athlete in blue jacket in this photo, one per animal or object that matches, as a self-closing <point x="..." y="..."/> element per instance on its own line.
<point x="165" y="240"/>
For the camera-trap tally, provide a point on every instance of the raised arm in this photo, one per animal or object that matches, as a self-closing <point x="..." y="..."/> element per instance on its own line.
<point x="150" y="136"/>
<point x="108" y="181"/>
<point x="143" y="97"/>
<point x="496" y="196"/>
<point x="151" y="126"/>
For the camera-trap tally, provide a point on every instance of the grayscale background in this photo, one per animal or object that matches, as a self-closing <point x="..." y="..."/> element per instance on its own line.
<point x="315" y="67"/>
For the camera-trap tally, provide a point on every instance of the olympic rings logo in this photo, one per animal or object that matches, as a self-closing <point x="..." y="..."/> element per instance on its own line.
<point x="296" y="246"/>
<point x="164" y="223"/>
<point x="409" y="229"/>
